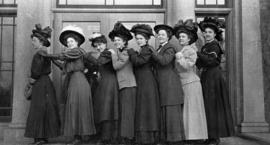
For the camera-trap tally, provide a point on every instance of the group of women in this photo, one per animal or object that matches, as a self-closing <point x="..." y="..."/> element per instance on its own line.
<point x="145" y="96"/>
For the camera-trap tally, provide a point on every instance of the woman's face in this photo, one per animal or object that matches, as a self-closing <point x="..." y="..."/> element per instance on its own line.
<point x="162" y="36"/>
<point x="140" y="39"/>
<point x="183" y="39"/>
<point x="209" y="34"/>
<point x="72" y="43"/>
<point x="118" y="42"/>
<point x="36" y="42"/>
<point x="100" y="47"/>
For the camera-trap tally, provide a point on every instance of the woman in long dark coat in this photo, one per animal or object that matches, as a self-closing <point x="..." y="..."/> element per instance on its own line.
<point x="215" y="92"/>
<point x="106" y="95"/>
<point x="43" y="120"/>
<point x="170" y="87"/>
<point x="120" y="36"/>
<point x="147" y="99"/>
<point x="79" y="119"/>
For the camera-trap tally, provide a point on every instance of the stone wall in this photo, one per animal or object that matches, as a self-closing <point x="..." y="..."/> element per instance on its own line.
<point x="265" y="33"/>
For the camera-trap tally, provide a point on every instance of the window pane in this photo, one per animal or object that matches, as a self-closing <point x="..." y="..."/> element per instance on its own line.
<point x="62" y="2"/>
<point x="157" y="2"/>
<point x="8" y="20"/>
<point x="221" y="2"/>
<point x="8" y="1"/>
<point x="7" y="43"/>
<point x="1" y="1"/>
<point x="211" y="2"/>
<point x="86" y="2"/>
<point x="6" y="66"/>
<point x="200" y="2"/>
<point x="133" y="2"/>
<point x="109" y="2"/>
<point x="5" y="93"/>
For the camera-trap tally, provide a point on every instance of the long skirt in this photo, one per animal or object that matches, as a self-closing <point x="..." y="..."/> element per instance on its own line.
<point x="195" y="125"/>
<point x="79" y="118"/>
<point x="172" y="129"/>
<point x="127" y="112"/>
<point x="108" y="130"/>
<point x="43" y="119"/>
<point x="217" y="104"/>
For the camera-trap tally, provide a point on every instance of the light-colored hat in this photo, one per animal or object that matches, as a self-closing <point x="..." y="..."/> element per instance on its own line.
<point x="71" y="29"/>
<point x="94" y="36"/>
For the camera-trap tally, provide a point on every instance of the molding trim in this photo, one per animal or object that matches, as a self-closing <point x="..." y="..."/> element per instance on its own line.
<point x="85" y="10"/>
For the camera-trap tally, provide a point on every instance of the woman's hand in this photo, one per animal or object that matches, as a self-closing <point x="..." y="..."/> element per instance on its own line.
<point x="112" y="51"/>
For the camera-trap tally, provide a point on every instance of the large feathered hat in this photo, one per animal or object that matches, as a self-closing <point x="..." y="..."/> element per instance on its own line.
<point x="188" y="27"/>
<point x="119" y="30"/>
<point x="42" y="34"/>
<point x="165" y="27"/>
<point x="71" y="30"/>
<point x="214" y="24"/>
<point x="142" y="29"/>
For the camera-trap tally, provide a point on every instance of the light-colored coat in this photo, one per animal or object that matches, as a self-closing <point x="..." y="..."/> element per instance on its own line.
<point x="124" y="69"/>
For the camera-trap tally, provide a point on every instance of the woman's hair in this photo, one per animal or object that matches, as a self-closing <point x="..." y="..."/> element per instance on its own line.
<point x="101" y="39"/>
<point x="147" y="37"/>
<point x="42" y="40"/>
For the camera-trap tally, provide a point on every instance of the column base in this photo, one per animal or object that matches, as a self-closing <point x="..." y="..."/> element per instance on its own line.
<point x="15" y="134"/>
<point x="248" y="127"/>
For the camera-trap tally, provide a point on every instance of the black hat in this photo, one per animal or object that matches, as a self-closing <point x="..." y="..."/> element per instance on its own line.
<point x="120" y="30"/>
<point x="167" y="28"/>
<point x="142" y="28"/>
<point x="188" y="27"/>
<point x="213" y="23"/>
<point x="42" y="34"/>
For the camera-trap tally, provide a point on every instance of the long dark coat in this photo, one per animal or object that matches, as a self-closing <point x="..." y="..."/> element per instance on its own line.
<point x="106" y="96"/>
<point x="170" y="87"/>
<point x="43" y="119"/>
<point x="147" y="99"/>
<point x="215" y="92"/>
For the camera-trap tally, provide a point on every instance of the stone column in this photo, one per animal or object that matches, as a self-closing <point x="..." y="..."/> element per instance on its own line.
<point x="29" y="13"/>
<point x="253" y="93"/>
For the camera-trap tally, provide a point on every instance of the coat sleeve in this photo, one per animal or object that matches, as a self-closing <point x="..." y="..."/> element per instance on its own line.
<point x="210" y="58"/>
<point x="105" y="57"/>
<point x="36" y="68"/>
<point x="186" y="60"/>
<point x="166" y="58"/>
<point x="139" y="59"/>
<point x="119" y="61"/>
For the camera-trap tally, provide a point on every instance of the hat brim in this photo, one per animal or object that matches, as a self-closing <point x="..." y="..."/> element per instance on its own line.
<point x="63" y="34"/>
<point x="126" y="36"/>
<point x="163" y="27"/>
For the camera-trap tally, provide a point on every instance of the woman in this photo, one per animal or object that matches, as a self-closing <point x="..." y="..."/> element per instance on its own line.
<point x="43" y="120"/>
<point x="79" y="119"/>
<point x="106" y="95"/>
<point x="193" y="113"/>
<point x="216" y="99"/>
<point x="170" y="87"/>
<point x="147" y="98"/>
<point x="126" y="80"/>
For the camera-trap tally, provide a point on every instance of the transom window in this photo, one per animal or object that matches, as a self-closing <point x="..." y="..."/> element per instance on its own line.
<point x="211" y="3"/>
<point x="111" y="3"/>
<point x="4" y="3"/>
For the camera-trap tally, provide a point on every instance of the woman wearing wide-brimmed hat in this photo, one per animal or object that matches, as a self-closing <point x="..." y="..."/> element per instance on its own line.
<point x="43" y="120"/>
<point x="120" y="36"/>
<point x="147" y="121"/>
<point x="215" y="91"/>
<point x="79" y="120"/>
<point x="193" y="113"/>
<point x="170" y="87"/>
<point x="106" y="95"/>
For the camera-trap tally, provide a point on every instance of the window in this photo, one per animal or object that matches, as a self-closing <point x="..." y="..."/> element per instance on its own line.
<point x="7" y="34"/>
<point x="211" y="3"/>
<point x="110" y="3"/>
<point x="8" y="3"/>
